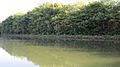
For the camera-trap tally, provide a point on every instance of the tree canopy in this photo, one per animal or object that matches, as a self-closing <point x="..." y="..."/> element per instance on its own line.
<point x="94" y="18"/>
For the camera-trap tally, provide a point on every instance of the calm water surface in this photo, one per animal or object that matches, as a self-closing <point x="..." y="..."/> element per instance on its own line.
<point x="45" y="53"/>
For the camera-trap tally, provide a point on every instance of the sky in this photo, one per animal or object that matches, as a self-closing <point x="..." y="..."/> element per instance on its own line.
<point x="10" y="7"/>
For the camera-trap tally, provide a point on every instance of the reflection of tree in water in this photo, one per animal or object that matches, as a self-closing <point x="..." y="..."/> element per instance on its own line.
<point x="48" y="55"/>
<point x="6" y="58"/>
<point x="102" y="46"/>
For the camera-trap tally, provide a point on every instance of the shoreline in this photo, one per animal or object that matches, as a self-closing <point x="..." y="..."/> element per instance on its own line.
<point x="65" y="37"/>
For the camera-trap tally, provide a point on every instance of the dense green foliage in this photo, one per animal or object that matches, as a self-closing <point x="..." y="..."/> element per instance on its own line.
<point x="57" y="19"/>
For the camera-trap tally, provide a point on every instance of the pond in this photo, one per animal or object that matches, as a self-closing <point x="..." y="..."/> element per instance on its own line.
<point x="59" y="53"/>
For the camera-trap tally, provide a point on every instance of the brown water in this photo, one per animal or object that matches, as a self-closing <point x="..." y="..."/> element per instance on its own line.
<point x="23" y="53"/>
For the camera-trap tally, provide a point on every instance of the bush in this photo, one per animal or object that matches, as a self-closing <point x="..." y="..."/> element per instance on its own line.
<point x="56" y="19"/>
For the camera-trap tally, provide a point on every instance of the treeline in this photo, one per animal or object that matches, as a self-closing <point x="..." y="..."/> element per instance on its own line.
<point x="95" y="18"/>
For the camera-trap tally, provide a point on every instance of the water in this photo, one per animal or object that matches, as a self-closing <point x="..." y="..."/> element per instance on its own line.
<point x="48" y="53"/>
